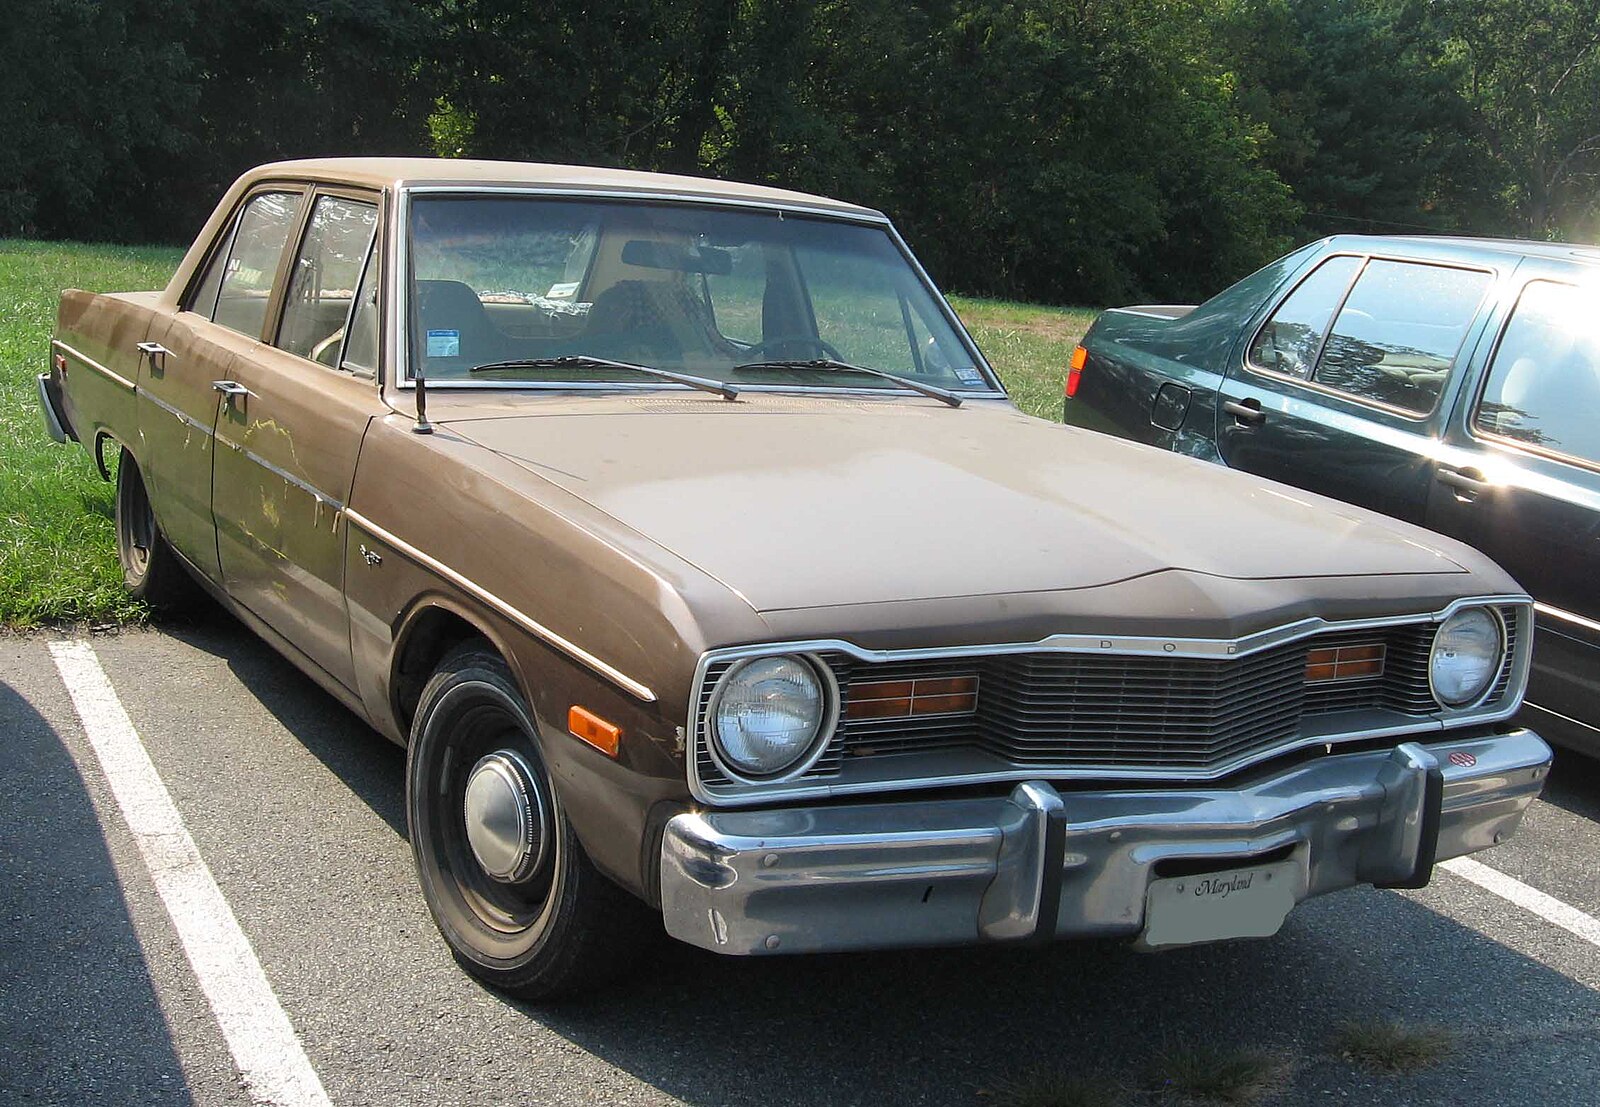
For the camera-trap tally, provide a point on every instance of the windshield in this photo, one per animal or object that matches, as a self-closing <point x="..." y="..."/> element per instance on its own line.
<point x="523" y="289"/>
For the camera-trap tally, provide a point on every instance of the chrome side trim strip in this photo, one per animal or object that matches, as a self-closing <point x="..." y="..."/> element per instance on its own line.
<point x="1567" y="617"/>
<point x="1503" y="708"/>
<point x="537" y="629"/>
<point x="80" y="356"/>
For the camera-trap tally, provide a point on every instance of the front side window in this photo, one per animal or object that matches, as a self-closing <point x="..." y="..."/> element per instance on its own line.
<point x="739" y="296"/>
<point x="252" y="263"/>
<point x="322" y="283"/>
<point x="1289" y="341"/>
<point x="1399" y="331"/>
<point x="1544" y="383"/>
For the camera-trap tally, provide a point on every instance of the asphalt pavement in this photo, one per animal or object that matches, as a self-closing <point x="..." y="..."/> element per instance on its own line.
<point x="296" y="809"/>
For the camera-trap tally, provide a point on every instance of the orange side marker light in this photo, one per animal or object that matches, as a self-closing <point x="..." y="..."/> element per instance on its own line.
<point x="588" y="727"/>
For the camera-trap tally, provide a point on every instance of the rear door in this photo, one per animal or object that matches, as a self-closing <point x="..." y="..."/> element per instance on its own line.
<point x="1520" y="479"/>
<point x="290" y="429"/>
<point x="1341" y="389"/>
<point x="191" y="351"/>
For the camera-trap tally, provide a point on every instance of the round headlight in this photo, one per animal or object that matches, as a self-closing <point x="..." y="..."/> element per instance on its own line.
<point x="1467" y="652"/>
<point x="768" y="714"/>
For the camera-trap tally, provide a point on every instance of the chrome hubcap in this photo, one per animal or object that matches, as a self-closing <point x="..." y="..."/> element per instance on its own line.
<point x="506" y="817"/>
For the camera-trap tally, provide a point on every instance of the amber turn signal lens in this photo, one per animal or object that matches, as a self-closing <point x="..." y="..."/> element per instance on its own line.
<point x="887" y="699"/>
<point x="588" y="727"/>
<point x="1080" y="358"/>
<point x="1344" y="662"/>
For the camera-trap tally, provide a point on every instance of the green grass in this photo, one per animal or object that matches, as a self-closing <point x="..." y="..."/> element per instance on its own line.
<point x="1029" y="346"/>
<point x="57" y="551"/>
<point x="58" y="558"/>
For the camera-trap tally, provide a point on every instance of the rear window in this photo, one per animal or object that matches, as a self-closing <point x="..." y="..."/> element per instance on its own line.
<point x="1543" y="388"/>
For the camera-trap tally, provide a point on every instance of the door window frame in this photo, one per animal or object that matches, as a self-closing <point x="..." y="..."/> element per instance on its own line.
<point x="280" y="290"/>
<point x="223" y="244"/>
<point x="1461" y="357"/>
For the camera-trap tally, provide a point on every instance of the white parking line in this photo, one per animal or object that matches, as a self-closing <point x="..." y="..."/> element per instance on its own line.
<point x="1527" y="897"/>
<point x="263" y="1043"/>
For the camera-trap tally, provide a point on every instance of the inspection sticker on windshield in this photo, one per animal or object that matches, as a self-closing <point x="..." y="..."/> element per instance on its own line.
<point x="1208" y="907"/>
<point x="444" y="343"/>
<point x="969" y="375"/>
<point x="563" y="291"/>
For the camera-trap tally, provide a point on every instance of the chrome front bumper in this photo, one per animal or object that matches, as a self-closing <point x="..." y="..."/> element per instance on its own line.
<point x="1042" y="864"/>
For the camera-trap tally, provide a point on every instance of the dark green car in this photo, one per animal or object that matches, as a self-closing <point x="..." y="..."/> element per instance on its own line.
<point x="1451" y="382"/>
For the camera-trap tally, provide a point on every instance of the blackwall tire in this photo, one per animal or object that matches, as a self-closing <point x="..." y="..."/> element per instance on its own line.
<point x="543" y="927"/>
<point x="150" y="568"/>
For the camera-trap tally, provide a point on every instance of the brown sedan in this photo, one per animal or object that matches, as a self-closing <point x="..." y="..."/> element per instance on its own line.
<point x="701" y="563"/>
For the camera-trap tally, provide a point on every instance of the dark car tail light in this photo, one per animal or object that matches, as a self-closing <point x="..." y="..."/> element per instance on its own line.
<point x="1080" y="357"/>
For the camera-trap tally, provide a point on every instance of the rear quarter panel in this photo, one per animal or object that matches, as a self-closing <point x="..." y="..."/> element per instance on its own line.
<point x="98" y="334"/>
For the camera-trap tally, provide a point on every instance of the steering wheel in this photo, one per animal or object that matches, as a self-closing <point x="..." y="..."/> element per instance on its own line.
<point x="825" y="348"/>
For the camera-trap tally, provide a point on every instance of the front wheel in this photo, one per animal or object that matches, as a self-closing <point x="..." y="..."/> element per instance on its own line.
<point x="518" y="901"/>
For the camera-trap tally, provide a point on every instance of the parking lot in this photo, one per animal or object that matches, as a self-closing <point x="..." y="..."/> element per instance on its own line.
<point x="295" y="808"/>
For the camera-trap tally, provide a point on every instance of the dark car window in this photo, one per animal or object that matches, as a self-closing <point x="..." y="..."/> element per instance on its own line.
<point x="1399" y="332"/>
<point x="323" y="282"/>
<point x="1289" y="341"/>
<point x="253" y="261"/>
<point x="1544" y="384"/>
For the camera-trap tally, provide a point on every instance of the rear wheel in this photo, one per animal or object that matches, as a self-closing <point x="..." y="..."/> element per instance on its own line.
<point x="150" y="568"/>
<point x="518" y="901"/>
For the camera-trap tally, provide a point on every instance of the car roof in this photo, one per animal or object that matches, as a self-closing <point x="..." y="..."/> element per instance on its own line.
<point x="426" y="172"/>
<point x="1469" y="247"/>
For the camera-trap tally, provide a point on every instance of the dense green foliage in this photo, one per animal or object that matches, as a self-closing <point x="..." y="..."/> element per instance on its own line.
<point x="1068" y="150"/>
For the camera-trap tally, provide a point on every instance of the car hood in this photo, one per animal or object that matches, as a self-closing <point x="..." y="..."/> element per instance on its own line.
<point x="819" y="501"/>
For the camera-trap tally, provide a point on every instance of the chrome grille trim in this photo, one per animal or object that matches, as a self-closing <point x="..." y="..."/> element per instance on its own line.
<point x="1116" y="725"/>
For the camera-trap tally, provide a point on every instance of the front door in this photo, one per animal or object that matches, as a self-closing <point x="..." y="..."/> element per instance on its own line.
<point x="289" y="433"/>
<point x="1520" y="479"/>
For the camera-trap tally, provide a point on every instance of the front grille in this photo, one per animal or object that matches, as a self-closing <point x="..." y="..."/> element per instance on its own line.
<point x="1073" y="711"/>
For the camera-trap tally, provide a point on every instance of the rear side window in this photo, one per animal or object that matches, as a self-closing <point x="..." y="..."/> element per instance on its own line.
<point x="1399" y="331"/>
<point x="322" y="286"/>
<point x="1289" y="342"/>
<point x="1544" y="383"/>
<point x="252" y="264"/>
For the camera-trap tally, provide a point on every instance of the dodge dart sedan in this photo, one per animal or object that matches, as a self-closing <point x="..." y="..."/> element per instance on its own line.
<point x="687" y="543"/>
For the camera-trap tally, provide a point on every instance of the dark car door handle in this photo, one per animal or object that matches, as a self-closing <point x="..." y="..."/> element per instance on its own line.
<point x="1467" y="482"/>
<point x="1249" y="412"/>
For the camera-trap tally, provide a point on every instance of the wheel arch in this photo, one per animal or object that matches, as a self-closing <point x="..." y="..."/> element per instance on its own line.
<point x="98" y="451"/>
<point x="432" y="628"/>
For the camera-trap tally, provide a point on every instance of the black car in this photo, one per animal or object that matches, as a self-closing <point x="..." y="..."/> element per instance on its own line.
<point x="1451" y="382"/>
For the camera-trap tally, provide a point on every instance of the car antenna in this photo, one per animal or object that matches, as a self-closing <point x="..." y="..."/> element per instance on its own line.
<point x="422" y="426"/>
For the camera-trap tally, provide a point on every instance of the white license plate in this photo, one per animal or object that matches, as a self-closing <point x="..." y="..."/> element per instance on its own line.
<point x="1210" y="907"/>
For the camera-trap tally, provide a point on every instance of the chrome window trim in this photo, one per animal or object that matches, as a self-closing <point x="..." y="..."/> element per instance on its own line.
<point x="84" y="359"/>
<point x="532" y="626"/>
<point x="404" y="380"/>
<point x="1215" y="648"/>
<point x="1314" y="385"/>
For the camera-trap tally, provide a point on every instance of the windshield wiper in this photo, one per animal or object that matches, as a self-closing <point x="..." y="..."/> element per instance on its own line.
<point x="829" y="365"/>
<point x="584" y="361"/>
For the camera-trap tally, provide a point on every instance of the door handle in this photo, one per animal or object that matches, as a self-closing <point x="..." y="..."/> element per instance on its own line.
<point x="153" y="349"/>
<point x="231" y="390"/>
<point x="1467" y="482"/>
<point x="1247" y="412"/>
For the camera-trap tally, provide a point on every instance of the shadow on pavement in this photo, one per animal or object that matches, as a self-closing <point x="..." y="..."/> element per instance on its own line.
<point x="1575" y="784"/>
<point x="79" y="1019"/>
<point x="369" y="764"/>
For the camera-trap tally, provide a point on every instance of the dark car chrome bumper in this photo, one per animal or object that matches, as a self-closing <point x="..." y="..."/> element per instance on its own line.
<point x="1046" y="864"/>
